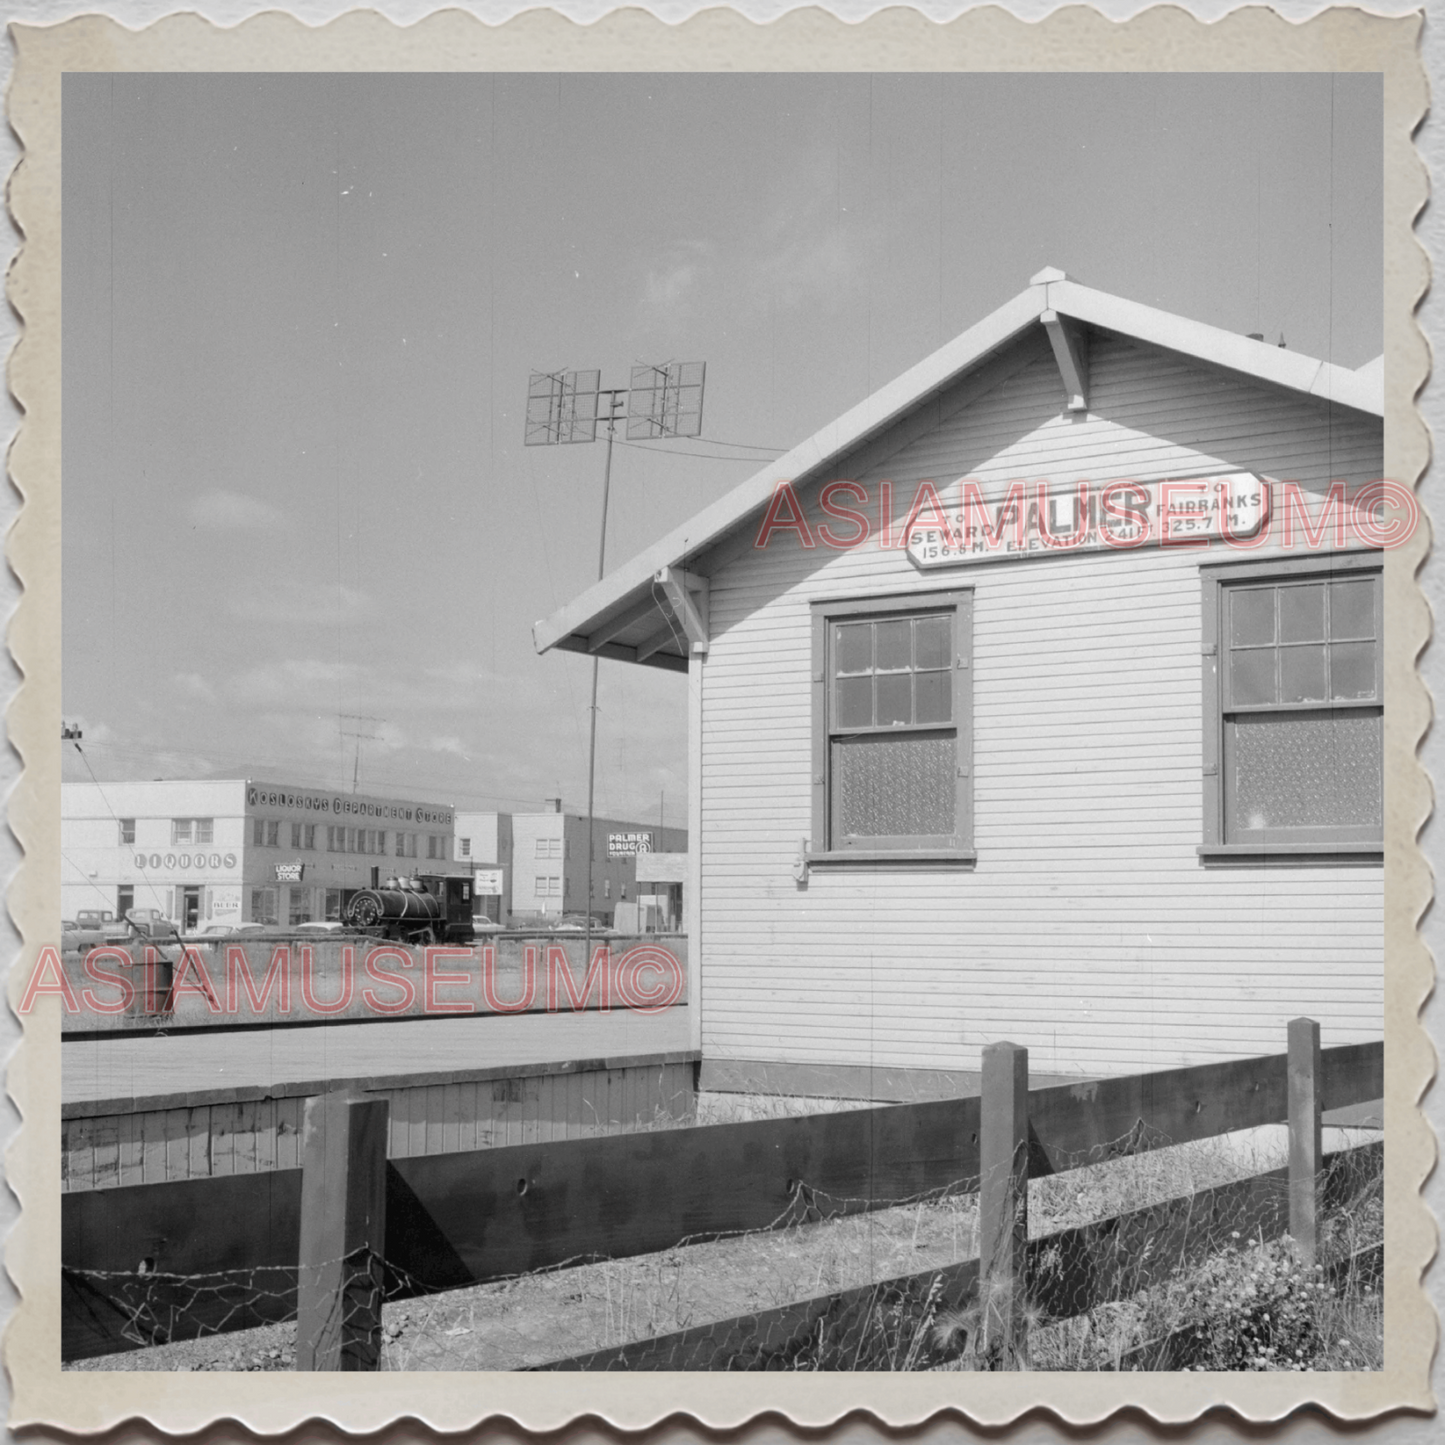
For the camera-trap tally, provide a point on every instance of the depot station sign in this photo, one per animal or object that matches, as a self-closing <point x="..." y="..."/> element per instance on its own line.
<point x="1086" y="517"/>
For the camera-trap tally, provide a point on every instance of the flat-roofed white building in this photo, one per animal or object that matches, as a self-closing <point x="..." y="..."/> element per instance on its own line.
<point x="538" y="861"/>
<point x="238" y="850"/>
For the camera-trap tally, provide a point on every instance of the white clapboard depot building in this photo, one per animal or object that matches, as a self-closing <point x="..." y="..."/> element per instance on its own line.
<point x="1039" y="697"/>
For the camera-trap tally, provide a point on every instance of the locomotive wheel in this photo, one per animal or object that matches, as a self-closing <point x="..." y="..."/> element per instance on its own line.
<point x="366" y="911"/>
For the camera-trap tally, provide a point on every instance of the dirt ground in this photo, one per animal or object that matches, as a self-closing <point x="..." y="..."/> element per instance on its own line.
<point x="526" y="1321"/>
<point x="552" y="1315"/>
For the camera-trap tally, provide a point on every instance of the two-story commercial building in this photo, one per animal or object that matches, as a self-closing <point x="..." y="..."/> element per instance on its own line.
<point x="236" y="850"/>
<point x="533" y="866"/>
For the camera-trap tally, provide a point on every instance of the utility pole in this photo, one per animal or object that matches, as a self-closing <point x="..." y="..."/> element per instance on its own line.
<point x="562" y="407"/>
<point x="356" y="717"/>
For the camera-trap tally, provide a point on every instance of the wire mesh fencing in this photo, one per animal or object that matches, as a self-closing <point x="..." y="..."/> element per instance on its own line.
<point x="1138" y="1256"/>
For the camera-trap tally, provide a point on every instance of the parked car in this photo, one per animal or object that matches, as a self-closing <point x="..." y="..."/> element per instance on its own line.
<point x="577" y="923"/>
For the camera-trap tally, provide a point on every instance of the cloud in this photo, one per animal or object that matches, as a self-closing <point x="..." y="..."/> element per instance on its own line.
<point x="192" y="684"/>
<point x="298" y="601"/>
<point x="222" y="511"/>
<point x="294" y="680"/>
<point x="450" y="745"/>
<point x="827" y="265"/>
<point x="671" y="287"/>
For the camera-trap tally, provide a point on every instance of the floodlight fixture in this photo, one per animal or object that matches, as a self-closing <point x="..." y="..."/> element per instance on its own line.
<point x="665" y="401"/>
<point x="562" y="407"/>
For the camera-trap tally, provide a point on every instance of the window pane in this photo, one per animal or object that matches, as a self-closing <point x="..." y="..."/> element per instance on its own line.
<point x="855" y="647"/>
<point x="892" y="786"/>
<point x="933" y="697"/>
<point x="1352" y="670"/>
<point x="1352" y="608"/>
<point x="1301" y="674"/>
<point x="1252" y="615"/>
<point x="932" y="643"/>
<point x="1251" y="677"/>
<point x="855" y="702"/>
<point x="895" y="698"/>
<point x="895" y="645"/>
<point x="1307" y="770"/>
<point x="1302" y="613"/>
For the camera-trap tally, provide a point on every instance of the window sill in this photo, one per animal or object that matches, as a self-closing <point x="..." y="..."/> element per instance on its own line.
<point x="958" y="857"/>
<point x="1291" y="850"/>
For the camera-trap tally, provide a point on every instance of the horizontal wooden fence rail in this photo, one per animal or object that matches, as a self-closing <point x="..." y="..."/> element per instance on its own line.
<point x="1074" y="1270"/>
<point x="213" y="1254"/>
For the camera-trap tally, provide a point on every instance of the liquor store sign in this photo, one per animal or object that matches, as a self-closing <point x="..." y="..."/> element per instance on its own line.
<point x="290" y="872"/>
<point x="1029" y="519"/>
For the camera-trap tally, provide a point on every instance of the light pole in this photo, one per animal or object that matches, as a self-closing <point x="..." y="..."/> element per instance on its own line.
<point x="562" y="407"/>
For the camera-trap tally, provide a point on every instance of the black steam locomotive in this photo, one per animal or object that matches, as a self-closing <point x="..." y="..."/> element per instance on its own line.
<point x="422" y="909"/>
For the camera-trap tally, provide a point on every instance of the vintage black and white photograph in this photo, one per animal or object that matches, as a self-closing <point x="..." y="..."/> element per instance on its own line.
<point x="723" y="722"/>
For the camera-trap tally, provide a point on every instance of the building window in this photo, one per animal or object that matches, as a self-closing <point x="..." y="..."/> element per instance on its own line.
<point x="333" y="905"/>
<point x="263" y="905"/>
<point x="303" y="835"/>
<point x="1294" y="687"/>
<point x="124" y="899"/>
<point x="465" y="847"/>
<point x="548" y="885"/>
<point x="406" y="845"/>
<point x="184" y="830"/>
<point x="548" y="848"/>
<point x="127" y="830"/>
<point x="300" y="910"/>
<point x="266" y="832"/>
<point x="335" y="839"/>
<point x="436" y="846"/>
<point x="892" y="727"/>
<point x="273" y="833"/>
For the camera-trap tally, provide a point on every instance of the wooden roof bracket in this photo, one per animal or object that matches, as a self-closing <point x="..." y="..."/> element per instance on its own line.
<point x="686" y="595"/>
<point x="1071" y="352"/>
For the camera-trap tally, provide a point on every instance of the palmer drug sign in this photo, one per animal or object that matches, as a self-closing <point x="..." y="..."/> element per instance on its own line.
<point x="1089" y="516"/>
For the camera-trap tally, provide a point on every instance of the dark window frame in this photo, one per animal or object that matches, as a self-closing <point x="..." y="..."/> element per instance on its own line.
<point x="1217" y="581"/>
<point x="956" y="848"/>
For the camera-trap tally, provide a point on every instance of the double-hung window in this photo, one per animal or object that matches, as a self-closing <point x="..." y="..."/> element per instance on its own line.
<point x="892" y="733"/>
<point x="1294" y="706"/>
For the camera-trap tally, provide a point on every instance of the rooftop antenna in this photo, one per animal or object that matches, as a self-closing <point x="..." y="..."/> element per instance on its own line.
<point x="564" y="408"/>
<point x="356" y="717"/>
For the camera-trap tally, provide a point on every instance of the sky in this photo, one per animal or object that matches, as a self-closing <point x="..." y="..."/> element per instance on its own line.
<point x="300" y="313"/>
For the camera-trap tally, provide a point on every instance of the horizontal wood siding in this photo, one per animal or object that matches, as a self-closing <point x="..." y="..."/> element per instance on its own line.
<point x="1088" y="930"/>
<point x="161" y="1145"/>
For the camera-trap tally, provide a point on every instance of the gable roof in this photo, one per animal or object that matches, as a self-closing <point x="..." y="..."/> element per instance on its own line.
<point x="627" y="615"/>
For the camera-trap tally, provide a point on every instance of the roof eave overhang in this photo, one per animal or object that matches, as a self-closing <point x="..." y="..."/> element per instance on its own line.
<point x="590" y="614"/>
<point x="593" y="622"/>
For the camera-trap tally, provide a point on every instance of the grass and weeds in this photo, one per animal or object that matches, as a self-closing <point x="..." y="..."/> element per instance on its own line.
<point x="1232" y="1300"/>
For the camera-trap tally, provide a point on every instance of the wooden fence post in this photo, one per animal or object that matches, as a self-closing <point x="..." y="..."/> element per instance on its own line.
<point x="1305" y="1140"/>
<point x="343" y="1233"/>
<point x="1003" y="1204"/>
